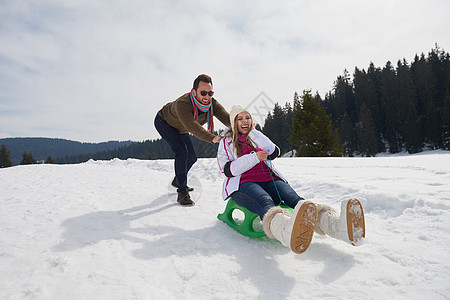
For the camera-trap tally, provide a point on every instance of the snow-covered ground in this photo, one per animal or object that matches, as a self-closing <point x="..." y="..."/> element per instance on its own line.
<point x="113" y="230"/>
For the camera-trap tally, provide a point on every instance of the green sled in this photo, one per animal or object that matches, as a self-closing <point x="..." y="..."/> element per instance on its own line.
<point x="246" y="226"/>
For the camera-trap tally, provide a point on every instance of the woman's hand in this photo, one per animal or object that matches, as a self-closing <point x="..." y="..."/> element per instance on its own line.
<point x="262" y="155"/>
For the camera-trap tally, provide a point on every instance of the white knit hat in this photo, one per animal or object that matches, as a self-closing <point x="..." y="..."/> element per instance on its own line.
<point x="235" y="110"/>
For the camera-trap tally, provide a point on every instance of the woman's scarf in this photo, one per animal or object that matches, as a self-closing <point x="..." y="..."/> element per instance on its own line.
<point x="204" y="108"/>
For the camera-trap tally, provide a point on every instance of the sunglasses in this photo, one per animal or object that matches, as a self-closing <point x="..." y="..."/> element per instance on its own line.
<point x="204" y="93"/>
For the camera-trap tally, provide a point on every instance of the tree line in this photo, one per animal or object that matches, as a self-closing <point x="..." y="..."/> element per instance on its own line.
<point x="44" y="147"/>
<point x="406" y="108"/>
<point x="393" y="109"/>
<point x="27" y="158"/>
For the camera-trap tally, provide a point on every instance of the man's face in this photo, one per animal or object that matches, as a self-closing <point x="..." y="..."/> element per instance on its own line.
<point x="202" y="88"/>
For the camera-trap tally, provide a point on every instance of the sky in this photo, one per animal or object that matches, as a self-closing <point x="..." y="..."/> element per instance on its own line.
<point x="95" y="71"/>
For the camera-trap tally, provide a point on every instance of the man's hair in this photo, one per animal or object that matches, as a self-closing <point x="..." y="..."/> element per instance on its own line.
<point x="202" y="77"/>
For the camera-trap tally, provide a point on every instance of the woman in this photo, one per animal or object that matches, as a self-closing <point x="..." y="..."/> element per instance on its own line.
<point x="245" y="157"/>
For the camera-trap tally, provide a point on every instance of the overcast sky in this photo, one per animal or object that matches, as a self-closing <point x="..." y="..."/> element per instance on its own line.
<point x="99" y="70"/>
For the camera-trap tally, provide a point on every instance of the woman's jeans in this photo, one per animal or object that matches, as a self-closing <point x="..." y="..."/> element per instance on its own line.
<point x="259" y="197"/>
<point x="181" y="144"/>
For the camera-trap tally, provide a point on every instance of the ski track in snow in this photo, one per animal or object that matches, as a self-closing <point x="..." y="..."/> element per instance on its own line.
<point x="113" y="230"/>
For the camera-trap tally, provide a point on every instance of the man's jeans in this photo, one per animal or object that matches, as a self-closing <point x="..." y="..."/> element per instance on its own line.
<point x="181" y="144"/>
<point x="259" y="197"/>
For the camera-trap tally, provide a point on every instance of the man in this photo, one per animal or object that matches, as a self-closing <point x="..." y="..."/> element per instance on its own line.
<point x="186" y="115"/>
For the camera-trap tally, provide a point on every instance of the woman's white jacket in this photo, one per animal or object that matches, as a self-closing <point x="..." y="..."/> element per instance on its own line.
<point x="239" y="165"/>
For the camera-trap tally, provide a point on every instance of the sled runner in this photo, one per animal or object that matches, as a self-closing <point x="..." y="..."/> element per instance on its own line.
<point x="245" y="227"/>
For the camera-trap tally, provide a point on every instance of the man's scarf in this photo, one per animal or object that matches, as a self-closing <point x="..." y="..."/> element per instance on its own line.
<point x="204" y="108"/>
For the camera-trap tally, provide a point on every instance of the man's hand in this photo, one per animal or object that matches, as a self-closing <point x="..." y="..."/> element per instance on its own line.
<point x="216" y="139"/>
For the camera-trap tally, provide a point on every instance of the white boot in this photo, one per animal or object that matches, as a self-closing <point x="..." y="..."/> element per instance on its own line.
<point x="294" y="231"/>
<point x="348" y="227"/>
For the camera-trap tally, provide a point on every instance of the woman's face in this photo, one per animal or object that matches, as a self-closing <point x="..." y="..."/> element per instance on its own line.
<point x="244" y="122"/>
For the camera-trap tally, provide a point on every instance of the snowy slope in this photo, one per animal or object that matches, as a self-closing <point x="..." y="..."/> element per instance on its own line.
<point x="112" y="230"/>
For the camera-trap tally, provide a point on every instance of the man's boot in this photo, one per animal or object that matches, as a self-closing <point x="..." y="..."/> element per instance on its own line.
<point x="184" y="199"/>
<point x="175" y="185"/>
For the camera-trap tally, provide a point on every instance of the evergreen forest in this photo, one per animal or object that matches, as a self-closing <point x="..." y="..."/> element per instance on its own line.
<point x="390" y="109"/>
<point x="405" y="107"/>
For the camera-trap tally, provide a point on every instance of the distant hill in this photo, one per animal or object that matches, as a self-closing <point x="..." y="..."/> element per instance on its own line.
<point x="150" y="149"/>
<point x="41" y="148"/>
<point x="70" y="152"/>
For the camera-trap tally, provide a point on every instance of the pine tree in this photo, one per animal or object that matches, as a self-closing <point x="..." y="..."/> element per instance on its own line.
<point x="366" y="94"/>
<point x="28" y="159"/>
<point x="343" y="100"/>
<point x="312" y="131"/>
<point x="367" y="135"/>
<point x="446" y="122"/>
<point x="50" y="160"/>
<point x="287" y="121"/>
<point x="409" y="129"/>
<point x="439" y="62"/>
<point x="296" y="99"/>
<point x="271" y="126"/>
<point x="375" y="107"/>
<point x="277" y="126"/>
<point x="389" y="96"/>
<point x="347" y="133"/>
<point x="5" y="157"/>
<point x="425" y="85"/>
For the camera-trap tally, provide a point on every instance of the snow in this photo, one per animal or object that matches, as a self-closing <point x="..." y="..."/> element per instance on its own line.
<point x="113" y="230"/>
